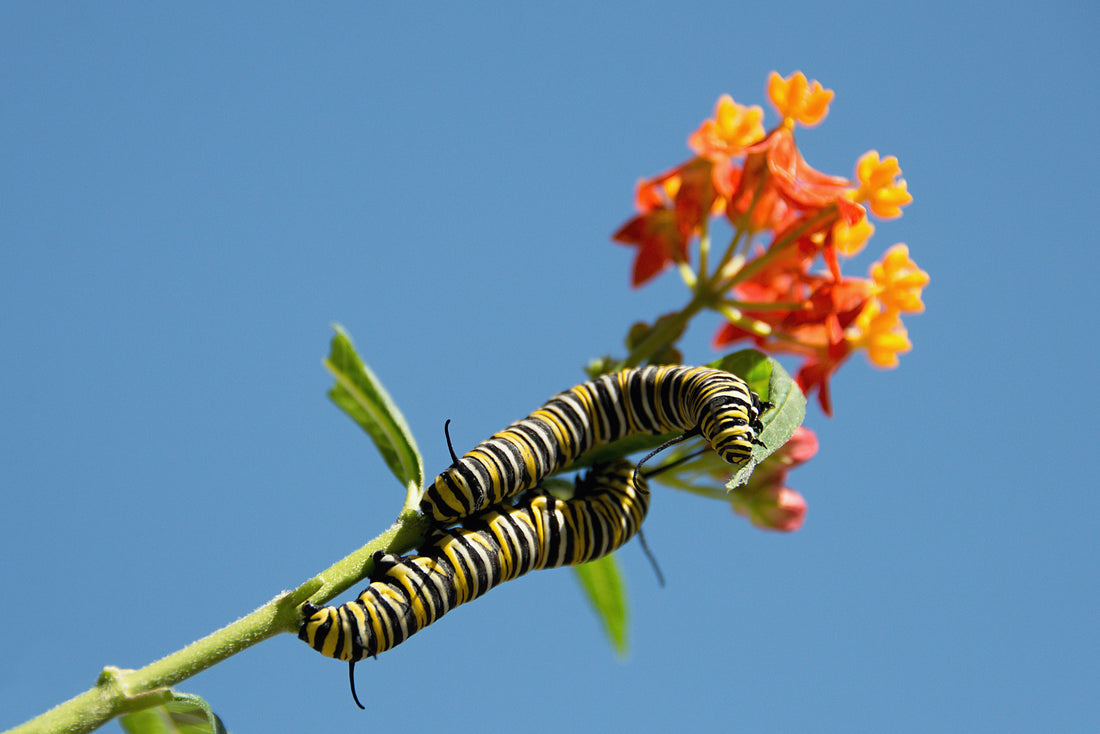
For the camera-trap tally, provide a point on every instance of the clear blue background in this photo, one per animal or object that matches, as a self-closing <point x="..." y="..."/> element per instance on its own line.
<point x="191" y="195"/>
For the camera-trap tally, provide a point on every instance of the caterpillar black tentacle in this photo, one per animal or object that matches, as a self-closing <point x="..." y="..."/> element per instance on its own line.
<point x="457" y="565"/>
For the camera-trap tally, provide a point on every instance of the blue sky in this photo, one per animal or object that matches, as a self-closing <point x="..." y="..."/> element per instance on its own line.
<point x="192" y="195"/>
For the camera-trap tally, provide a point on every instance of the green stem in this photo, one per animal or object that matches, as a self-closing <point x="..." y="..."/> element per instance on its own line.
<point x="740" y="234"/>
<point x="118" y="691"/>
<point x="761" y="306"/>
<point x="665" y="332"/>
<point x="778" y="246"/>
<point x="704" y="250"/>
<point x="704" y="295"/>
<point x="707" y="291"/>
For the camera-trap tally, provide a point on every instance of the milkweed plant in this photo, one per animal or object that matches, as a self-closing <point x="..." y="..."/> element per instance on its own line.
<point x="758" y="237"/>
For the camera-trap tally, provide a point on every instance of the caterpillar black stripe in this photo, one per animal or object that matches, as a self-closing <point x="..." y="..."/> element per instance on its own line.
<point x="457" y="565"/>
<point x="714" y="403"/>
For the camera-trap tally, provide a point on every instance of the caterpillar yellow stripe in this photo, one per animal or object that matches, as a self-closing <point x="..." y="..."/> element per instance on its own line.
<point x="654" y="400"/>
<point x="457" y="565"/>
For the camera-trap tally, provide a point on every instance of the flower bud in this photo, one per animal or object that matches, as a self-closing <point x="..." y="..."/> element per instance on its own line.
<point x="775" y="508"/>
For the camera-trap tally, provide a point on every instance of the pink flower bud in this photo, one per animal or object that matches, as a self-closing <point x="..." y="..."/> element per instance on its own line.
<point x="780" y="509"/>
<point x="801" y="447"/>
<point x="766" y="500"/>
<point x="775" y="508"/>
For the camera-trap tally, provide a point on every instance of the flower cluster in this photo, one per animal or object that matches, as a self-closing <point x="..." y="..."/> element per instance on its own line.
<point x="779" y="282"/>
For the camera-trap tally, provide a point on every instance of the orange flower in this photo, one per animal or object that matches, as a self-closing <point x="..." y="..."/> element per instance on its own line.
<point x="695" y="198"/>
<point x="659" y="241"/>
<point x="884" y="195"/>
<point x="797" y="99"/>
<point x="799" y="183"/>
<point x="732" y="128"/>
<point x="882" y="334"/>
<point x="673" y="207"/>
<point x="746" y="193"/>
<point x="850" y="239"/>
<point x="775" y="168"/>
<point x="898" y="281"/>
<point x="815" y="373"/>
<point x="814" y="327"/>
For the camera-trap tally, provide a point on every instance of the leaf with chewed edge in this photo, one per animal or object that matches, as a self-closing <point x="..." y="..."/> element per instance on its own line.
<point x="767" y="378"/>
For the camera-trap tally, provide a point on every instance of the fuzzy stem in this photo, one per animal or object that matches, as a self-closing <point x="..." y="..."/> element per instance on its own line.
<point x="118" y="691"/>
<point x="665" y="332"/>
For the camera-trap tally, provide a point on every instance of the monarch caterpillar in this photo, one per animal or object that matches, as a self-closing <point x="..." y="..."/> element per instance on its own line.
<point x="457" y="565"/>
<point x="711" y="402"/>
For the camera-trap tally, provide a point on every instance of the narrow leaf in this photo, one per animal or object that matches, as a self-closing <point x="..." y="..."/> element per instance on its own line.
<point x="604" y="589"/>
<point x="360" y="394"/>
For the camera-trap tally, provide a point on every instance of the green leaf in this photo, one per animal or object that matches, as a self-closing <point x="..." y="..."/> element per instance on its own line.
<point x="184" y="714"/>
<point x="752" y="366"/>
<point x="786" y="414"/>
<point x="604" y="589"/>
<point x="360" y="394"/>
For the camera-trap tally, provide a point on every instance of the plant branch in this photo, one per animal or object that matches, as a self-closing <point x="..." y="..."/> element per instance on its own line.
<point x="118" y="691"/>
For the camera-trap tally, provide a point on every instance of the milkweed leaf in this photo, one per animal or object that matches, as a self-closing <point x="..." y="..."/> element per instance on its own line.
<point x="184" y="714"/>
<point x="754" y="367"/>
<point x="359" y="393"/>
<point x="603" y="587"/>
<point x="786" y="414"/>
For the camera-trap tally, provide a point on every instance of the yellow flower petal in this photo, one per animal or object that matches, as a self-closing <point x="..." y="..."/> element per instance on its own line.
<point x="879" y="185"/>
<point x="851" y="239"/>
<point x="881" y="334"/>
<point x="733" y="127"/>
<point x="898" y="281"/>
<point x="798" y="99"/>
